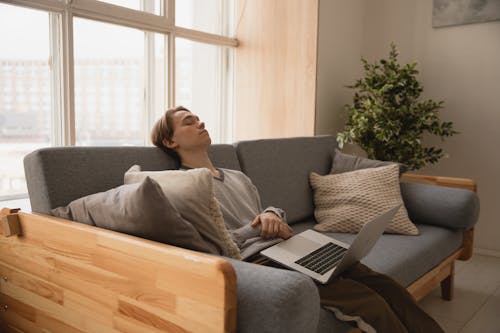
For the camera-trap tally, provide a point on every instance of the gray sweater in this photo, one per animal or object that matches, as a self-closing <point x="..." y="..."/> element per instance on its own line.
<point x="239" y="202"/>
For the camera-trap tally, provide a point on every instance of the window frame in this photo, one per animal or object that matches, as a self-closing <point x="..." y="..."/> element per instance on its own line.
<point x="63" y="130"/>
<point x="61" y="14"/>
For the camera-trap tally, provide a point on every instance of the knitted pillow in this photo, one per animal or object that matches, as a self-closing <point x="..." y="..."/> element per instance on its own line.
<point x="191" y="193"/>
<point x="345" y="202"/>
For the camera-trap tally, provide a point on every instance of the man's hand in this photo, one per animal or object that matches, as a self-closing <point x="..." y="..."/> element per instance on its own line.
<point x="271" y="226"/>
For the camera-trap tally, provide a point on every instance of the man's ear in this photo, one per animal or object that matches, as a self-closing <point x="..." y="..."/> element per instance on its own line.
<point x="169" y="144"/>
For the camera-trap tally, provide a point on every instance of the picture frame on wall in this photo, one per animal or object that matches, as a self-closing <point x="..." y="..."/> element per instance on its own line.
<point x="457" y="12"/>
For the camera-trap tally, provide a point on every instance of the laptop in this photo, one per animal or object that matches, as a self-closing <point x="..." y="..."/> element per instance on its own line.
<point x="322" y="257"/>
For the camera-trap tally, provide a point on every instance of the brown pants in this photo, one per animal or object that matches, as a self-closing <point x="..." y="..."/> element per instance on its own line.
<point x="378" y="300"/>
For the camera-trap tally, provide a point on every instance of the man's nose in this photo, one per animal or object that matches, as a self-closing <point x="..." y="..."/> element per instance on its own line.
<point x="201" y="124"/>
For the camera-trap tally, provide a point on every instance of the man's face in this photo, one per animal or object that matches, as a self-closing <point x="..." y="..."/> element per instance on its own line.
<point x="189" y="133"/>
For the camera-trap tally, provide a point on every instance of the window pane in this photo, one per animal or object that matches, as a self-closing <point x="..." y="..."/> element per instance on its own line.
<point x="149" y="6"/>
<point x="213" y="16"/>
<point x="160" y="75"/>
<point x="110" y="87"/>
<point x="25" y="92"/>
<point x="202" y="85"/>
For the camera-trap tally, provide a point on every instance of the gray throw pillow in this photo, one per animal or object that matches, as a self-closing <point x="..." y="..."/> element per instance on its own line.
<point x="345" y="163"/>
<point x="139" y="209"/>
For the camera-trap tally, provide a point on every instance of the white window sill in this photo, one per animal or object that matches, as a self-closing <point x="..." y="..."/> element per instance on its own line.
<point x="24" y="204"/>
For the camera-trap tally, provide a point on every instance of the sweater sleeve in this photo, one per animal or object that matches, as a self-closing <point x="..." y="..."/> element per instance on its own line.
<point x="278" y="211"/>
<point x="244" y="233"/>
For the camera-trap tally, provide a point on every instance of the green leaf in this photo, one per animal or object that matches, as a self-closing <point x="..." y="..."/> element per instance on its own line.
<point x="387" y="119"/>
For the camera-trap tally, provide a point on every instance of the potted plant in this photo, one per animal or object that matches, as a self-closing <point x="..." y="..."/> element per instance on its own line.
<point x="388" y="120"/>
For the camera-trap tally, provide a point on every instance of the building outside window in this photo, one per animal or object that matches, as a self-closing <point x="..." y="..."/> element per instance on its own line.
<point x="92" y="73"/>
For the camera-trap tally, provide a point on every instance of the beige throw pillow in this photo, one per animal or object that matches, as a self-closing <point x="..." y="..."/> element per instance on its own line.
<point x="345" y="202"/>
<point x="191" y="193"/>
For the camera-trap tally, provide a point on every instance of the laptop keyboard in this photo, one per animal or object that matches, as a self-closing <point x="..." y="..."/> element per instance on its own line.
<point x="322" y="259"/>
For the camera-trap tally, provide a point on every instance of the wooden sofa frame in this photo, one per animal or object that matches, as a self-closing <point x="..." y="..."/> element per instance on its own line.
<point x="62" y="276"/>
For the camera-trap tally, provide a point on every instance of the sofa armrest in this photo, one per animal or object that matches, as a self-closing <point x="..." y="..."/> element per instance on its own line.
<point x="275" y="300"/>
<point x="439" y="205"/>
<point x="65" y="276"/>
<point x="464" y="183"/>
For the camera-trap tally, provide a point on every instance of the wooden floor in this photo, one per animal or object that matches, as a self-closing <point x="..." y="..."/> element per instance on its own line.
<point x="476" y="304"/>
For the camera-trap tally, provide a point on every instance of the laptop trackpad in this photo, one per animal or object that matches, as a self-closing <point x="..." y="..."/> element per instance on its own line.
<point x="299" y="246"/>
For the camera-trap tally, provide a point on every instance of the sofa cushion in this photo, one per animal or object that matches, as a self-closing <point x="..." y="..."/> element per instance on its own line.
<point x="345" y="163"/>
<point x="328" y="323"/>
<point x="404" y="258"/>
<point x="280" y="169"/>
<point x="58" y="175"/>
<point x="346" y="202"/>
<point x="140" y="210"/>
<point x="275" y="300"/>
<point x="224" y="156"/>
<point x="191" y="193"/>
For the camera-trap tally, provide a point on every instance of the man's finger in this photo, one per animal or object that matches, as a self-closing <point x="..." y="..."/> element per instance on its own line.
<point x="255" y="221"/>
<point x="287" y="230"/>
<point x="282" y="232"/>
<point x="276" y="229"/>
<point x="264" y="228"/>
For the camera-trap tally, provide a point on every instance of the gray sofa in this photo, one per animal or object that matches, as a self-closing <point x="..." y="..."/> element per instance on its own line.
<point x="271" y="299"/>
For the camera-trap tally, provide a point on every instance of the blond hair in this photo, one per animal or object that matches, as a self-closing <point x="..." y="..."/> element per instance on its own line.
<point x="163" y="129"/>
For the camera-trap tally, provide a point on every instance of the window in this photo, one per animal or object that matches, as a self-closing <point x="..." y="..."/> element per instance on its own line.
<point x="200" y="79"/>
<point x="150" y="6"/>
<point x="101" y="72"/>
<point x="206" y="15"/>
<point x="25" y="98"/>
<point x="110" y="71"/>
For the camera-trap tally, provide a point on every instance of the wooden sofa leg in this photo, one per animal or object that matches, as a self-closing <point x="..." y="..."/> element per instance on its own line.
<point x="448" y="284"/>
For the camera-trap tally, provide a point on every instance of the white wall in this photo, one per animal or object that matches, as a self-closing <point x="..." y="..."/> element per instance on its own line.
<point x="459" y="65"/>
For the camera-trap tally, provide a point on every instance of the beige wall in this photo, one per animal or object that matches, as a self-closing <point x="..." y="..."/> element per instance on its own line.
<point x="340" y="44"/>
<point x="276" y="68"/>
<point x="459" y="65"/>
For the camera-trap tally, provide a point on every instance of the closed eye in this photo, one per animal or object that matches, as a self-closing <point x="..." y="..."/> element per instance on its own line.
<point x="190" y="120"/>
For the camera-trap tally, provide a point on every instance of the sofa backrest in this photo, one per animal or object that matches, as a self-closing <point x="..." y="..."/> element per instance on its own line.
<point x="280" y="169"/>
<point x="56" y="176"/>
